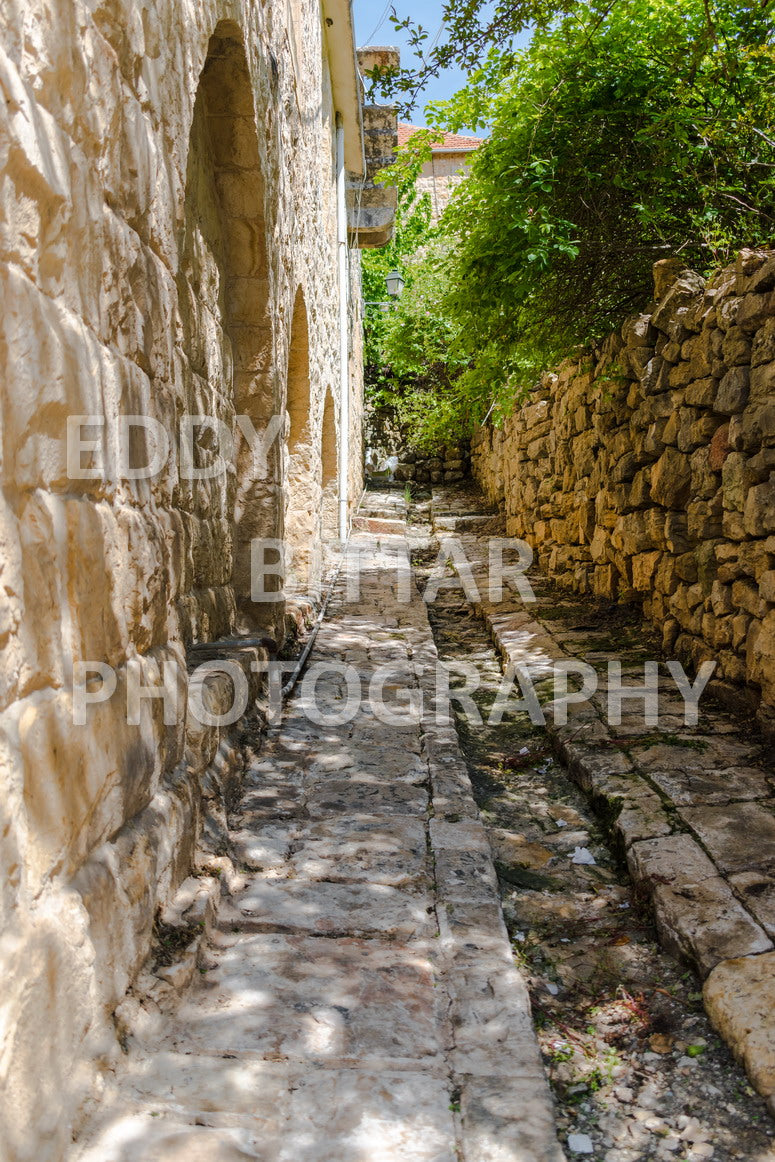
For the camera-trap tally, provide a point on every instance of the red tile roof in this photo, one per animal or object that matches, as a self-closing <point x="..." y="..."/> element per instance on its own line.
<point x="449" y="142"/>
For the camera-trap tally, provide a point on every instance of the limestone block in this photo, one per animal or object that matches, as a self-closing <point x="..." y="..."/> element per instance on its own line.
<point x="671" y="479"/>
<point x="763" y="347"/>
<point x="643" y="568"/>
<point x="752" y="270"/>
<point x="727" y="311"/>
<point x="670" y="272"/>
<point x="125" y="880"/>
<point x="670" y="315"/>
<point x="733" y="390"/>
<point x="736" y="480"/>
<point x="696" y="912"/>
<point x="757" y="425"/>
<point x="755" y="310"/>
<point x="704" y="518"/>
<point x="665" y="575"/>
<point x="53" y="363"/>
<point x="111" y="770"/>
<point x="767" y="586"/>
<point x="704" y="481"/>
<point x="638" y="331"/>
<point x="739" y="997"/>
<point x="736" y="347"/>
<point x="726" y="833"/>
<point x="759" y="511"/>
<point x="38" y="143"/>
<point x="760" y="654"/>
<point x="656" y="376"/>
<point x="701" y="392"/>
<point x="48" y="1000"/>
<point x="762" y="383"/>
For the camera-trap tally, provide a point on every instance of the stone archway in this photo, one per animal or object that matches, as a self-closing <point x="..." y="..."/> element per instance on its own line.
<point x="228" y="352"/>
<point x="329" y="463"/>
<point x="302" y="508"/>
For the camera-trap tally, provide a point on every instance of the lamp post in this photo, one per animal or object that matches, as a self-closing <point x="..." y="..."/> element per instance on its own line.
<point x="394" y="282"/>
<point x="394" y="285"/>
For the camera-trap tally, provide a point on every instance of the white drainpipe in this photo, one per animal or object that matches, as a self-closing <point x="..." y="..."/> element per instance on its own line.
<point x="344" y="360"/>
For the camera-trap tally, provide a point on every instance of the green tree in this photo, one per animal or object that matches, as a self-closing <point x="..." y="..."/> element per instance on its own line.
<point x="410" y="348"/>
<point x="620" y="135"/>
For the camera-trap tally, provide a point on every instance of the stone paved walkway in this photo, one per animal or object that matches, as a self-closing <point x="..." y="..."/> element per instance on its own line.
<point x="691" y="807"/>
<point x="359" y="1001"/>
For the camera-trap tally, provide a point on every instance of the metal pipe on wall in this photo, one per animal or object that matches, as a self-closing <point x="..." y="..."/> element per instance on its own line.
<point x="344" y="357"/>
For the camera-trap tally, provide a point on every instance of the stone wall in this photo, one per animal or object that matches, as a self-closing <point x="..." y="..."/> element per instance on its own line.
<point x="391" y="452"/>
<point x="440" y="176"/>
<point x="448" y="464"/>
<point x="646" y="471"/>
<point x="167" y="249"/>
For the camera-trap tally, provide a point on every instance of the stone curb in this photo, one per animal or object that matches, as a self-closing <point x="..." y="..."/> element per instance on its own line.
<point x="699" y="917"/>
<point x="506" y="1107"/>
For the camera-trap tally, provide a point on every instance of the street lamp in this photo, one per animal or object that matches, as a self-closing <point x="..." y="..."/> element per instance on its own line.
<point x="394" y="282"/>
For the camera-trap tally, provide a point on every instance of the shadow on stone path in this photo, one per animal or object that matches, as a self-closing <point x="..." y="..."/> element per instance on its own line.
<point x="357" y="1000"/>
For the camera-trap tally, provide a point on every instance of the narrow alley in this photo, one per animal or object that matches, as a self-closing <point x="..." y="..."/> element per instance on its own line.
<point x="387" y="581"/>
<point x="349" y="991"/>
<point x="357" y="998"/>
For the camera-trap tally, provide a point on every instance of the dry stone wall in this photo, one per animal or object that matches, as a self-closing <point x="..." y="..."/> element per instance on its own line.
<point x="447" y="464"/>
<point x="646" y="471"/>
<point x="391" y="453"/>
<point x="167" y="249"/>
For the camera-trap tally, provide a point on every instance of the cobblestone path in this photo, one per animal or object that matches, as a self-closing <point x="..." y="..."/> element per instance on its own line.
<point x="357" y="1000"/>
<point x="689" y="807"/>
<point x="638" y="1072"/>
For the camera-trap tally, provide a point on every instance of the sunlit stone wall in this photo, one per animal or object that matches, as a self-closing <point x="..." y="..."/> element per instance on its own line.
<point x="646" y="471"/>
<point x="168" y="245"/>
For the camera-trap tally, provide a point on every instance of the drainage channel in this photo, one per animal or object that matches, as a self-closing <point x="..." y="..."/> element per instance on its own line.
<point x="636" y="1069"/>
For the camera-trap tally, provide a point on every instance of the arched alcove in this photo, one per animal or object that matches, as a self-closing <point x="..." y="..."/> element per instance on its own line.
<point x="228" y="367"/>
<point x="302" y="509"/>
<point x="329" y="468"/>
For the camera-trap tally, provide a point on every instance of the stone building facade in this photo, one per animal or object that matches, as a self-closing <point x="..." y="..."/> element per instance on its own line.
<point x="174" y="249"/>
<point x="449" y="160"/>
<point x="646" y="472"/>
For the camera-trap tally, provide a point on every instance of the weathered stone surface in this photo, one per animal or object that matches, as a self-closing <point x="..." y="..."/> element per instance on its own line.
<point x="146" y="1138"/>
<point x="404" y="1114"/>
<point x="740" y="998"/>
<point x="642" y="818"/>
<point x="328" y="909"/>
<point x="726" y="833"/>
<point x="169" y="251"/>
<point x="756" y="890"/>
<point x="732" y="395"/>
<point x="359" y="982"/>
<point x="312" y="999"/>
<point x="696" y="911"/>
<point x="364" y="847"/>
<point x="491" y="1132"/>
<point x="703" y="786"/>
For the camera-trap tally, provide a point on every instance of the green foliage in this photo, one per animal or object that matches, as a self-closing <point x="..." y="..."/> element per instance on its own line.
<point x="412" y="230"/>
<point x="625" y="132"/>
<point x="622" y="134"/>
<point x="471" y="31"/>
<point x="410" y="352"/>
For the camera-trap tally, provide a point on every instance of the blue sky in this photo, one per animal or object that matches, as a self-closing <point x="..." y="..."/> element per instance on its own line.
<point x="368" y="30"/>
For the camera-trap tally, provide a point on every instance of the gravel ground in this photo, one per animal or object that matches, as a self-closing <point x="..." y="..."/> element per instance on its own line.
<point x="636" y="1069"/>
